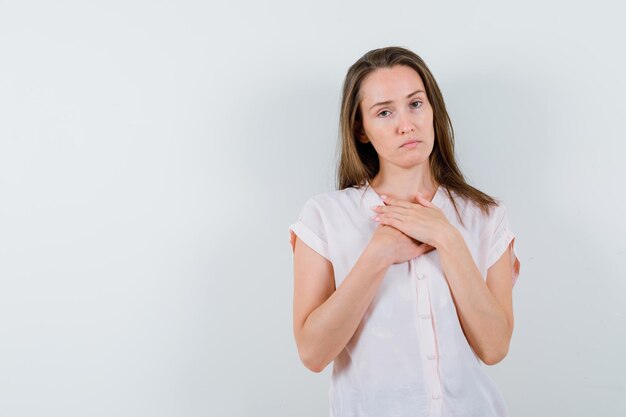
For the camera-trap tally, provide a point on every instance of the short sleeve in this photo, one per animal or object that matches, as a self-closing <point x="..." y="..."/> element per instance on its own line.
<point x="310" y="228"/>
<point x="500" y="238"/>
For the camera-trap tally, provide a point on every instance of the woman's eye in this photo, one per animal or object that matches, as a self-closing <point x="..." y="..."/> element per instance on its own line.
<point x="384" y="111"/>
<point x="415" y="104"/>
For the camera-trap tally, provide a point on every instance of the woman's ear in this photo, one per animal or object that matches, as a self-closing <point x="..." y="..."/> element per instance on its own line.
<point x="361" y="136"/>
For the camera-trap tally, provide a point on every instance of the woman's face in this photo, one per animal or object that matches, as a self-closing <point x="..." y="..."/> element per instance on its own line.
<point x="395" y="110"/>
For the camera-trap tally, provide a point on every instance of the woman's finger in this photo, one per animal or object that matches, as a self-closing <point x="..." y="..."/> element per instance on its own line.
<point x="390" y="221"/>
<point x="396" y="202"/>
<point x="390" y="209"/>
<point x="394" y="215"/>
<point x="420" y="199"/>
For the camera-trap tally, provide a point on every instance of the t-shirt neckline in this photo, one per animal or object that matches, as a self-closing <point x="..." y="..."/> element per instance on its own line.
<point x="436" y="199"/>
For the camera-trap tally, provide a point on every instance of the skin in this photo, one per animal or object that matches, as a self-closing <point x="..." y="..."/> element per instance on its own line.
<point x="325" y="317"/>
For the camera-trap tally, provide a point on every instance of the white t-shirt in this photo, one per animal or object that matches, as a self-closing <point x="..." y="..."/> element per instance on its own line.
<point x="409" y="356"/>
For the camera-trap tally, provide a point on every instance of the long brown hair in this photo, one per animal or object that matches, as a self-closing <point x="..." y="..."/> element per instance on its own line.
<point x="359" y="161"/>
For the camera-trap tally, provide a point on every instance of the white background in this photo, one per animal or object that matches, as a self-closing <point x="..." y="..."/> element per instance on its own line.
<point x="153" y="154"/>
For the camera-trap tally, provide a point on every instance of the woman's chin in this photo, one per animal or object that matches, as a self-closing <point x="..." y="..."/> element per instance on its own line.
<point x="408" y="163"/>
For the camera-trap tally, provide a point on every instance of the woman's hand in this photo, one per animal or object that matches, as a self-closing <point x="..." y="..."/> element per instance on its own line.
<point x="421" y="220"/>
<point x="396" y="247"/>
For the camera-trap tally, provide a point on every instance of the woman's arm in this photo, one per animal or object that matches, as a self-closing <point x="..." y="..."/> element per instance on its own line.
<point x="485" y="309"/>
<point x="324" y="318"/>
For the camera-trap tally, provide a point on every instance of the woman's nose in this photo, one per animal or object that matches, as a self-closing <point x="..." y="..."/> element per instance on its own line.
<point x="405" y="125"/>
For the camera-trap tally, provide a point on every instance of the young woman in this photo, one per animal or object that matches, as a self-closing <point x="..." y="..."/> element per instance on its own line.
<point x="403" y="276"/>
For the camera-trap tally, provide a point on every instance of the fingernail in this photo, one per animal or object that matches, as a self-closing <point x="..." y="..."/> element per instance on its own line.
<point x="384" y="197"/>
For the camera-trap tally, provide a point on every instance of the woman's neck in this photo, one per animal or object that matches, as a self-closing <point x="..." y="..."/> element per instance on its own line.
<point x="405" y="185"/>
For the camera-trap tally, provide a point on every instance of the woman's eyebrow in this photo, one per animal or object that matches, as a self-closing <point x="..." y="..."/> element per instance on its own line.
<point x="382" y="103"/>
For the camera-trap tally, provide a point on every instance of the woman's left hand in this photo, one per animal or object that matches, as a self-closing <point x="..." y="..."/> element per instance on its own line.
<point x="421" y="220"/>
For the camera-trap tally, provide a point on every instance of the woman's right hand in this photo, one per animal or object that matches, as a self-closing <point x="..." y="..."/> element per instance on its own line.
<point x="395" y="246"/>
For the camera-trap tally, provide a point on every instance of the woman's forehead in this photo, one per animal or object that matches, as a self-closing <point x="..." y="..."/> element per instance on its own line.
<point x="390" y="84"/>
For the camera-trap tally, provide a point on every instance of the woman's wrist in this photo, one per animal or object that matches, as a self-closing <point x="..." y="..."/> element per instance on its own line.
<point x="378" y="255"/>
<point x="448" y="238"/>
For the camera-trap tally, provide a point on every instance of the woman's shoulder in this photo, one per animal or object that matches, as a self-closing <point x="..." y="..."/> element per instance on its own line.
<point x="336" y="201"/>
<point x="336" y="196"/>
<point x="473" y="215"/>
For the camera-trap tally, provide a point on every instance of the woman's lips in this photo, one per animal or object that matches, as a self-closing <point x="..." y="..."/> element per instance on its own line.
<point x="411" y="144"/>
